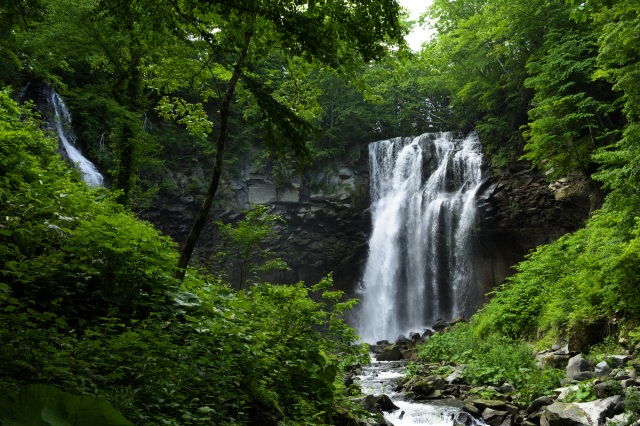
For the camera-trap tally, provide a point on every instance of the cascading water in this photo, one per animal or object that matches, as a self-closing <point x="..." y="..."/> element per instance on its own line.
<point x="420" y="265"/>
<point x="382" y="377"/>
<point x="62" y="122"/>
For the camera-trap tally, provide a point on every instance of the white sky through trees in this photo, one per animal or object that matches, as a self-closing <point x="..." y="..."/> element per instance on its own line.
<point x="419" y="34"/>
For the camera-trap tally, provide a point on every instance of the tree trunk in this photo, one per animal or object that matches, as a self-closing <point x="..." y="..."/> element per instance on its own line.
<point x="201" y="218"/>
<point x="129" y="98"/>
<point x="125" y="167"/>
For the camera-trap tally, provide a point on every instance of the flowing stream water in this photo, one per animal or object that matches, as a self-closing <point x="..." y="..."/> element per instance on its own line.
<point x="380" y="377"/>
<point x="420" y="264"/>
<point x="62" y="124"/>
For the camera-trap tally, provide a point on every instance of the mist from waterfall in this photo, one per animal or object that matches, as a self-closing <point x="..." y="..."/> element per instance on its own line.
<point x="62" y="124"/>
<point x="420" y="264"/>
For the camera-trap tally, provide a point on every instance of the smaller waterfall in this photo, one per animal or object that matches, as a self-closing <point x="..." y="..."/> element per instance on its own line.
<point x="62" y="122"/>
<point x="420" y="264"/>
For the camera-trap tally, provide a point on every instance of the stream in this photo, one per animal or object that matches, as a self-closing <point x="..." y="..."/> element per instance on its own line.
<point x="380" y="377"/>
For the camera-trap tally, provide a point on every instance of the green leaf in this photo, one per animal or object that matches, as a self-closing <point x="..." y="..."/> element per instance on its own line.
<point x="38" y="405"/>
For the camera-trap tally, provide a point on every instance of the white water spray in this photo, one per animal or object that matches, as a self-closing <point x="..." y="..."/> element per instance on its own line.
<point x="420" y="264"/>
<point x="62" y="122"/>
<point x="382" y="377"/>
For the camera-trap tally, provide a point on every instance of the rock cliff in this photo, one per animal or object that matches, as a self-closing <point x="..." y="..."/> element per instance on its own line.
<point x="327" y="223"/>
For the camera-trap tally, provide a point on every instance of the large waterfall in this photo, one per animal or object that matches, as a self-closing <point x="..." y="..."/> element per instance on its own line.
<point x="62" y="123"/>
<point x="420" y="265"/>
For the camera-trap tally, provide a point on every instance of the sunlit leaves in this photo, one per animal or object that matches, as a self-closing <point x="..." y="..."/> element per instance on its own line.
<point x="571" y="115"/>
<point x="192" y="116"/>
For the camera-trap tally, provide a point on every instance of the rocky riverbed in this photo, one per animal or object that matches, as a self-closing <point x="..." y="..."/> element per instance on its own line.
<point x="591" y="395"/>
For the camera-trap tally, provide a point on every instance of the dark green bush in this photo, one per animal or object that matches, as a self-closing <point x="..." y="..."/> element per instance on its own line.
<point x="88" y="304"/>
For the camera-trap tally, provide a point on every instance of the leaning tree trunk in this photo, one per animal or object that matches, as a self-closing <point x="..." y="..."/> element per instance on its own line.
<point x="196" y="229"/>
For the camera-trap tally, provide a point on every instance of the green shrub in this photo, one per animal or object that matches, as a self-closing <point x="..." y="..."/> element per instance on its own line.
<point x="492" y="360"/>
<point x="583" y="393"/>
<point x="564" y="287"/>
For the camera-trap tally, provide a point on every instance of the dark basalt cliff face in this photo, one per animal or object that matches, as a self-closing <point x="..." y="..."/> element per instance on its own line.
<point x="327" y="222"/>
<point x="519" y="210"/>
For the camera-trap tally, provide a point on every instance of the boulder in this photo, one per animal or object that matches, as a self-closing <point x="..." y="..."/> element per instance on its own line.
<point x="582" y="376"/>
<point x="608" y="388"/>
<point x="472" y="409"/>
<point x="579" y="369"/>
<point x="623" y="375"/>
<point x="561" y="414"/>
<point x="465" y="419"/>
<point x="425" y="387"/>
<point x="560" y="347"/>
<point x="383" y="403"/>
<point x="621" y="419"/>
<point x="456" y="374"/>
<point x="416" y="337"/>
<point x="600" y="409"/>
<point x="440" y="325"/>
<point x="436" y="394"/>
<point x="618" y="360"/>
<point x="602" y="368"/>
<point x="552" y="359"/>
<point x="390" y="353"/>
<point x="538" y="403"/>
<point x="494" y="404"/>
<point x="378" y="420"/>
<point x="512" y="409"/>
<point x="629" y="383"/>
<point x="506" y="388"/>
<point x="508" y="421"/>
<point x="375" y="404"/>
<point x="494" y="417"/>
<point x="402" y="340"/>
<point x="457" y="320"/>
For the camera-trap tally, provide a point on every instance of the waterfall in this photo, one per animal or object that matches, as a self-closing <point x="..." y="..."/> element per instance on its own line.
<point x="420" y="262"/>
<point x="62" y="124"/>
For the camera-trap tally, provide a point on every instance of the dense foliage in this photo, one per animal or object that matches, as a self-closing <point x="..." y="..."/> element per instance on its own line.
<point x="160" y="89"/>
<point x="88" y="304"/>
<point x="584" y="285"/>
<point x="576" y="78"/>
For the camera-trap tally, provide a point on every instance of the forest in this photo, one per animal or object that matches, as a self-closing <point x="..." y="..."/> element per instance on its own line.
<point x="105" y="319"/>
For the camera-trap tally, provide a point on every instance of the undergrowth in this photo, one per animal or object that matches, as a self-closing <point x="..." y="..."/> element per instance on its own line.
<point x="492" y="360"/>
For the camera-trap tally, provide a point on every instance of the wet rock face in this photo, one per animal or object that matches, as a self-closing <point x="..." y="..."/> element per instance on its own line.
<point x="326" y="225"/>
<point x="520" y="210"/>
